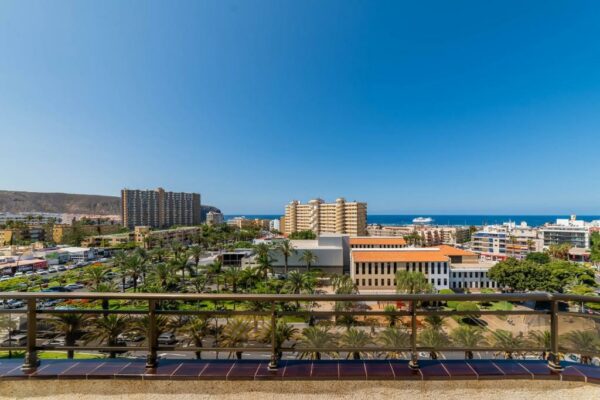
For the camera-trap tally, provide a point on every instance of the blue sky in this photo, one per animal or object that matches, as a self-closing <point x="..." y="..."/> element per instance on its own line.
<point x="415" y="107"/>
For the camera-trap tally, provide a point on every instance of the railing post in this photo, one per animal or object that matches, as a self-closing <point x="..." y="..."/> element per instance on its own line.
<point x="152" y="336"/>
<point x="414" y="357"/>
<point x="274" y="350"/>
<point x="31" y="361"/>
<point x="553" y="357"/>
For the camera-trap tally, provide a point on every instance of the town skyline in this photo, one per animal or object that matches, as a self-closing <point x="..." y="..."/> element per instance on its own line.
<point x="412" y="108"/>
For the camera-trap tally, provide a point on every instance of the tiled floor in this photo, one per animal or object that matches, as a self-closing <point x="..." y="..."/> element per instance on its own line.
<point x="299" y="370"/>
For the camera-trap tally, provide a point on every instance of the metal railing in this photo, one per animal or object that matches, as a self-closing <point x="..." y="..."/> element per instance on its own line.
<point x="413" y="310"/>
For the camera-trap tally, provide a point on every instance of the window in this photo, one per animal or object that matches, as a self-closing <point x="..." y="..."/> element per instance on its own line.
<point x="389" y="282"/>
<point x="357" y="283"/>
<point x="439" y="282"/>
<point x="376" y="269"/>
<point x="389" y="269"/>
<point x="363" y="268"/>
<point x="426" y="268"/>
<point x="445" y="268"/>
<point x="363" y="281"/>
<point x="445" y="281"/>
<point x="395" y="268"/>
<point x="356" y="269"/>
<point x="370" y="282"/>
<point x="439" y="270"/>
<point x="370" y="269"/>
<point x="394" y="282"/>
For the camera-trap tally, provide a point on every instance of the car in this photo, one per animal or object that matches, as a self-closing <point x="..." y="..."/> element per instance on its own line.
<point x="57" y="289"/>
<point x="62" y="268"/>
<point x="5" y="278"/>
<point x="74" y="286"/>
<point x="53" y="270"/>
<point x="12" y="304"/>
<point x="42" y="272"/>
<point x="131" y="337"/>
<point x="57" y="341"/>
<point x="18" y="274"/>
<point x="167" y="338"/>
<point x="29" y="273"/>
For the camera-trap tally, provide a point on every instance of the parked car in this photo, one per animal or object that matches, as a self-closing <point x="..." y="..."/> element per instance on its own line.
<point x="5" y="278"/>
<point x="13" y="303"/>
<point x="53" y="270"/>
<point x="74" y="286"/>
<point x="29" y="273"/>
<point x="17" y="274"/>
<point x="57" y="341"/>
<point x="61" y="268"/>
<point x="167" y="338"/>
<point x="42" y="272"/>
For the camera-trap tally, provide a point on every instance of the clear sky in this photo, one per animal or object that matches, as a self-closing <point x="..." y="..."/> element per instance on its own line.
<point x="415" y="107"/>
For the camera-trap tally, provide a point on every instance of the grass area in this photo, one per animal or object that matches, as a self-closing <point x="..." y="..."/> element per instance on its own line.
<point x="501" y="306"/>
<point x="53" y="355"/>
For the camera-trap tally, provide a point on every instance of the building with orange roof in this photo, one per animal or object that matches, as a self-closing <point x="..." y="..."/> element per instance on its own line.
<point x="444" y="267"/>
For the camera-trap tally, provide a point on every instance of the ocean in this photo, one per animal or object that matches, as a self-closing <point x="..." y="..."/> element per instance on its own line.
<point x="477" y="220"/>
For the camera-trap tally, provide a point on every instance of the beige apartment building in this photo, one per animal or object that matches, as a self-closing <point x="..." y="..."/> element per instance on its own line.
<point x="341" y="217"/>
<point x="158" y="208"/>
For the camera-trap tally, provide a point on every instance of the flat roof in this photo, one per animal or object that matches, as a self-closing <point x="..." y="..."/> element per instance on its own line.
<point x="453" y="251"/>
<point x="377" y="240"/>
<point x="398" y="256"/>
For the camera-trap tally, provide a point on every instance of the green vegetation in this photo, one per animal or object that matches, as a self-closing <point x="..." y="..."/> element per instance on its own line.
<point x="595" y="245"/>
<point x="527" y="275"/>
<point x="303" y="235"/>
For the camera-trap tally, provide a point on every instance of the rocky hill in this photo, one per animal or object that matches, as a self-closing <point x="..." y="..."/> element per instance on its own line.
<point x="64" y="203"/>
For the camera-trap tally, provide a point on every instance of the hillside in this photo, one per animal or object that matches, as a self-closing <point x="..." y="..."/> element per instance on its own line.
<point x="64" y="203"/>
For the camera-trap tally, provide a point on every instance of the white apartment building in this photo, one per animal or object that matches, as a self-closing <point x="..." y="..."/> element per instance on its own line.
<point x="214" y="218"/>
<point x="499" y="242"/>
<point x="572" y="231"/>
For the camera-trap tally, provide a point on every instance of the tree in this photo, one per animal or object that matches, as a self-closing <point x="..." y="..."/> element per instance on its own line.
<point x="434" y="338"/>
<point x="298" y="282"/>
<point x="539" y="258"/>
<point x="409" y="282"/>
<point x="164" y="274"/>
<point x="303" y="235"/>
<point x="586" y="343"/>
<point x="395" y="338"/>
<point x="231" y="278"/>
<point x="135" y="266"/>
<point x="560" y="251"/>
<point x="235" y="333"/>
<point x="309" y="258"/>
<point x="181" y="263"/>
<point x="196" y="329"/>
<point x="468" y="337"/>
<point x="355" y="338"/>
<point x="541" y="339"/>
<point x="508" y="342"/>
<point x="283" y="333"/>
<point x="392" y="318"/>
<point x="595" y="247"/>
<point x="196" y="252"/>
<point x="286" y="248"/>
<point x="107" y="329"/>
<point x="95" y="274"/>
<point x="318" y="339"/>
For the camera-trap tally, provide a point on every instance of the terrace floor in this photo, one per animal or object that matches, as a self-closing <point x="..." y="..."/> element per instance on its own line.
<point x="255" y="370"/>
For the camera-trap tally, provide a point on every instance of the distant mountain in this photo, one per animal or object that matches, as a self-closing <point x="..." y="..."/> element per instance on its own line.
<point x="65" y="203"/>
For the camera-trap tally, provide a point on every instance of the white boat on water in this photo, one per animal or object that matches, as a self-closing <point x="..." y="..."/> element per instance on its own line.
<point x="422" y="220"/>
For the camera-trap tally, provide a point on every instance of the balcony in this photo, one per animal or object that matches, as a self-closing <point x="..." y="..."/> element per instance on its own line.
<point x="258" y="354"/>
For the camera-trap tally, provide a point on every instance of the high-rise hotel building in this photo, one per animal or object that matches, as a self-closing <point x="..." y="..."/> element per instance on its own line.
<point x="159" y="209"/>
<point x="340" y="217"/>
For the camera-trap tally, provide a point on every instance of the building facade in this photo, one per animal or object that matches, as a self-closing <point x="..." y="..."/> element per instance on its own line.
<point x="499" y="242"/>
<point x="214" y="218"/>
<point x="571" y="231"/>
<point x="444" y="267"/>
<point x="159" y="209"/>
<point x="341" y="217"/>
<point x="428" y="235"/>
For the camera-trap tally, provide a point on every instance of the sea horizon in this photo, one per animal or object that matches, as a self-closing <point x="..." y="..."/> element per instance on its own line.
<point x="446" y="219"/>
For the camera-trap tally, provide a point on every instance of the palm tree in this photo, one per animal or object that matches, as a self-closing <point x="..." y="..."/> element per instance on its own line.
<point x="134" y="265"/>
<point x="435" y="321"/>
<point x="283" y="333"/>
<point x="158" y="254"/>
<point x="286" y="248"/>
<point x="181" y="263"/>
<point x="355" y="338"/>
<point x="392" y="318"/>
<point x="196" y="252"/>
<point x="235" y="333"/>
<point x="394" y="338"/>
<point x="196" y="329"/>
<point x="297" y="282"/>
<point x="69" y="325"/>
<point x="586" y="343"/>
<point x="108" y="329"/>
<point x="96" y="275"/>
<point x="316" y="338"/>
<point x="412" y="283"/>
<point x="508" y="342"/>
<point x="164" y="274"/>
<point x="119" y="262"/>
<point x="231" y="278"/>
<point x="541" y="339"/>
<point x="434" y="338"/>
<point x="309" y="258"/>
<point x="176" y="248"/>
<point x="105" y="287"/>
<point x="468" y="337"/>
<point x="265" y="265"/>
